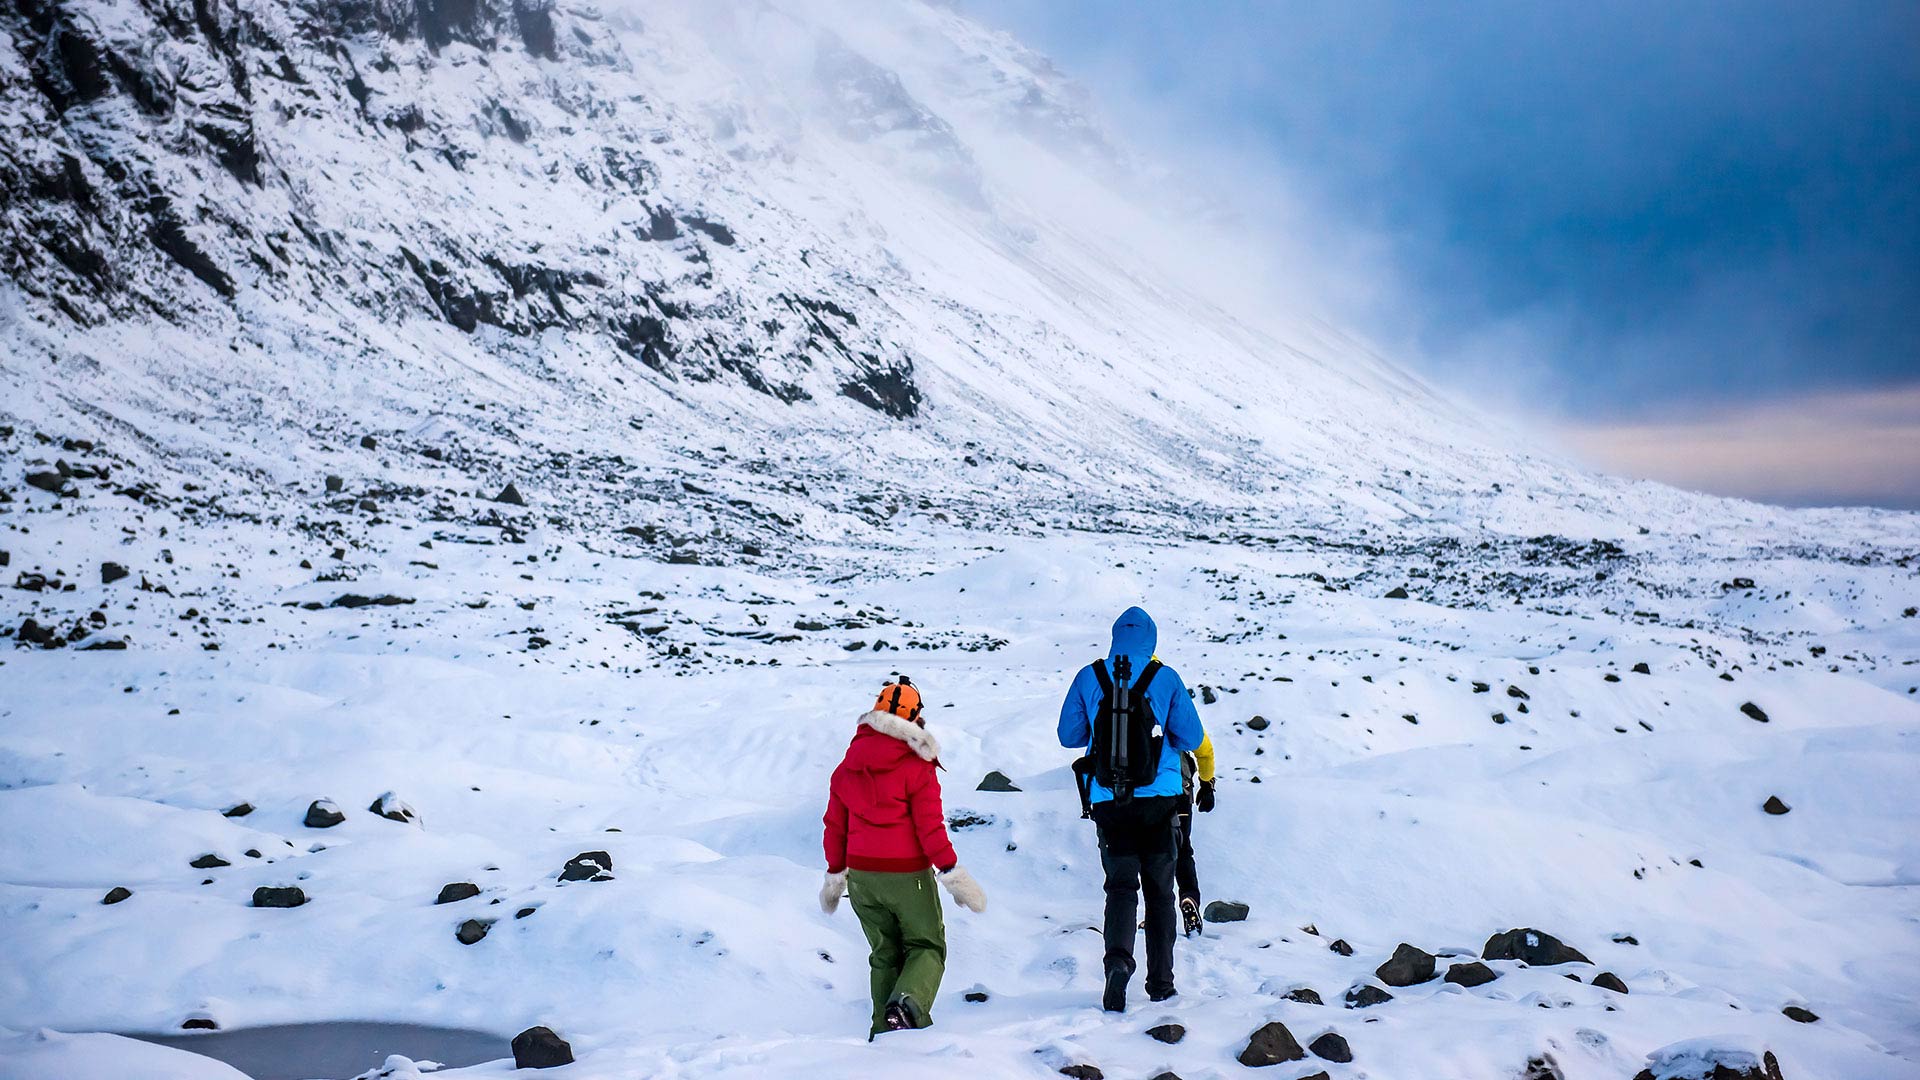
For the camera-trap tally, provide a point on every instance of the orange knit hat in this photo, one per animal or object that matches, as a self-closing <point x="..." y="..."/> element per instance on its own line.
<point x="900" y="699"/>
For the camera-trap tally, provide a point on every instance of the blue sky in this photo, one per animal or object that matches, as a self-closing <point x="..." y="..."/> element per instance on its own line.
<point x="1645" y="213"/>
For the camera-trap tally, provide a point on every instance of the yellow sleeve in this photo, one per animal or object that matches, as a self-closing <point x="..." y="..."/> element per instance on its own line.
<point x="1203" y="757"/>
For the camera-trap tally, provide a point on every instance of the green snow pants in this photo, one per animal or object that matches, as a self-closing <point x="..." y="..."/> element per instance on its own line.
<point x="908" y="934"/>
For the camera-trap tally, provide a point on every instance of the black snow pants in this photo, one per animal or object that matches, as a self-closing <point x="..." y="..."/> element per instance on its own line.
<point x="1138" y="847"/>
<point x="1184" y="872"/>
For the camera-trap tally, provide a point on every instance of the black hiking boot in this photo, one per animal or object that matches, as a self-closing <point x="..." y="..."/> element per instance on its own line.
<point x="1162" y="994"/>
<point x="897" y="1017"/>
<point x="1190" y="915"/>
<point x="1115" y="999"/>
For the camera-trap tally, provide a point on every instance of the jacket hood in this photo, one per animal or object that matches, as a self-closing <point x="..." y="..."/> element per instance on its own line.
<point x="903" y="737"/>
<point x="1134" y="637"/>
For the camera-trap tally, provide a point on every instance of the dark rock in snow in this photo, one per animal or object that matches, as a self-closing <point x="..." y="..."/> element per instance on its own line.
<point x="209" y="861"/>
<point x="511" y="496"/>
<point x="1332" y="1046"/>
<point x="1690" y="1062"/>
<point x="1167" y="1033"/>
<point x="238" y="810"/>
<point x="1271" y="1045"/>
<point x="50" y="482"/>
<point x="1517" y="694"/>
<point x="1642" y="669"/>
<point x="975" y="996"/>
<point x="355" y="600"/>
<point x="335" y="485"/>
<point x="588" y="866"/>
<point x="111" y="572"/>
<point x="1542" y="1067"/>
<point x="390" y="806"/>
<point x="1470" y="974"/>
<point x="1365" y="995"/>
<point x="1258" y="723"/>
<point x="1795" y="1013"/>
<point x="1481" y="688"/>
<point x="367" y="443"/>
<point x="116" y="894"/>
<point x="267" y="896"/>
<point x="1399" y="592"/>
<point x="1532" y="946"/>
<point x="323" y="814"/>
<point x="1083" y="1072"/>
<point x="455" y="891"/>
<point x="1220" y="911"/>
<point x="1607" y="980"/>
<point x="1340" y="946"/>
<point x="1305" y="995"/>
<point x="540" y="1048"/>
<point x="1754" y="711"/>
<point x="471" y="931"/>
<point x="1774" y="806"/>
<point x="1611" y="677"/>
<point x="199" y="1023"/>
<point x="996" y="781"/>
<point x="1409" y="966"/>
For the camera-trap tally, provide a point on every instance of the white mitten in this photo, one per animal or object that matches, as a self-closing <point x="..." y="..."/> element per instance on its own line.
<point x="832" y="888"/>
<point x="965" y="891"/>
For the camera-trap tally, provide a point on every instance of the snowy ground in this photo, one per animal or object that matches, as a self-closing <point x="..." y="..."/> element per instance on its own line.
<point x="705" y="956"/>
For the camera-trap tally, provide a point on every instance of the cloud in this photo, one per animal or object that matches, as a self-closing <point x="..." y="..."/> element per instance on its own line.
<point x="1847" y="448"/>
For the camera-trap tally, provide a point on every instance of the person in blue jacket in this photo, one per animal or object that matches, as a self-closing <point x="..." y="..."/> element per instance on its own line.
<point x="1138" y="847"/>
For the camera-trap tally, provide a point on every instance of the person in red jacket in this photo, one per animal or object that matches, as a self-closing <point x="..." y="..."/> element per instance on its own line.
<point x="885" y="838"/>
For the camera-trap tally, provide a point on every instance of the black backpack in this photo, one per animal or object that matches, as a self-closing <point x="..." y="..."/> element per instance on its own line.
<point x="1126" y="738"/>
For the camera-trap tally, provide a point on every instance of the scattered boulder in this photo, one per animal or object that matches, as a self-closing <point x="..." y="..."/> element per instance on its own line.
<point x="268" y="896"/>
<point x="1332" y="1047"/>
<point x="1536" y="948"/>
<point x="1774" y="806"/>
<point x="1399" y="592"/>
<point x="1470" y="974"/>
<point x="1083" y="1072"/>
<point x="1480" y="687"/>
<point x="52" y="483"/>
<point x="323" y="814"/>
<point x="1409" y="966"/>
<point x="588" y="866"/>
<point x="391" y="807"/>
<point x="1542" y="1067"/>
<point x="1366" y="995"/>
<point x="455" y="891"/>
<point x="511" y="496"/>
<point x="1271" y="1045"/>
<point x="1518" y="694"/>
<point x="209" y="861"/>
<point x="977" y="997"/>
<point x="238" y="810"/>
<point x="1607" y="980"/>
<point x="1219" y="911"/>
<point x="1611" y="677"/>
<point x="1796" y="1013"/>
<point x="997" y="781"/>
<point x="1641" y="668"/>
<point x="1739" y="583"/>
<point x="1167" y="1033"/>
<point x="1305" y="995"/>
<point x="199" y="1023"/>
<point x="367" y="443"/>
<point x="335" y="485"/>
<point x="1340" y="946"/>
<point x="121" y="892"/>
<point x="540" y="1048"/>
<point x="471" y="931"/>
<point x="1754" y="711"/>
<point x="111" y="572"/>
<point x="1703" y="1059"/>
<point x="1259" y="723"/>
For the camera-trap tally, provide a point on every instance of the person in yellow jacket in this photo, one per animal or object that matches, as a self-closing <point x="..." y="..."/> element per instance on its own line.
<point x="1197" y="769"/>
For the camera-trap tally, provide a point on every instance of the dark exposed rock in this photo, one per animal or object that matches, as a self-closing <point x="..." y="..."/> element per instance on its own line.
<point x="1754" y="711"/>
<point x="238" y="810"/>
<point x="199" y="1023"/>
<point x="975" y="996"/>
<point x="1692" y="1066"/>
<point x="1409" y="966"/>
<point x="390" y="806"/>
<point x="323" y="814"/>
<point x="1642" y="669"/>
<point x="1536" y="948"/>
<point x="889" y="390"/>
<point x="1398" y="592"/>
<point x="471" y="931"/>
<point x="1542" y="1067"/>
<point x="355" y="600"/>
<point x="1083" y="1072"/>
<point x="588" y="866"/>
<point x="1305" y="995"/>
<point x="116" y="894"/>
<point x="111" y="572"/>
<point x="367" y="442"/>
<point x="1271" y="1045"/>
<point x="209" y="861"/>
<point x="1470" y="974"/>
<point x="1796" y="1013"/>
<point x="50" y="482"/>
<point x="511" y="496"/>
<point x="1517" y="694"/>
<point x="455" y="891"/>
<point x="335" y="485"/>
<point x="1167" y="1033"/>
<point x="540" y="1048"/>
<point x="996" y="781"/>
<point x="1774" y="806"/>
<point x="1365" y="995"/>
<point x="1340" y="946"/>
<point x="1607" y="980"/>
<point x="1258" y="723"/>
<point x="1332" y="1047"/>
<point x="267" y="896"/>
<point x="1225" y="911"/>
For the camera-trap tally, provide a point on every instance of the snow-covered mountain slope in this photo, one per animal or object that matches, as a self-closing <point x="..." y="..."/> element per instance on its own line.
<point x="818" y="341"/>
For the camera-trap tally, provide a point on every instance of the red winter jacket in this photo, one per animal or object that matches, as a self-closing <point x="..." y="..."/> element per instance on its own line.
<point x="884" y="811"/>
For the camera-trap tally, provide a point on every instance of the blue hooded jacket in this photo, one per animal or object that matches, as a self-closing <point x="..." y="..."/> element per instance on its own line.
<point x="1134" y="637"/>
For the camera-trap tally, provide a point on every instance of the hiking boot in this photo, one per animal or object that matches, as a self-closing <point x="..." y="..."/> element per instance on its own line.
<point x="1161" y="994"/>
<point x="1190" y="915"/>
<point x="1115" y="999"/>
<point x="897" y="1017"/>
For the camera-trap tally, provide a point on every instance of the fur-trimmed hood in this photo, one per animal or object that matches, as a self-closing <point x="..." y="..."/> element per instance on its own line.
<point x="917" y="738"/>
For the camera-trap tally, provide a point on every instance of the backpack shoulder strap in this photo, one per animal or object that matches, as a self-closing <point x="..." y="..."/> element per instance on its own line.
<point x="1105" y="679"/>
<point x="1146" y="676"/>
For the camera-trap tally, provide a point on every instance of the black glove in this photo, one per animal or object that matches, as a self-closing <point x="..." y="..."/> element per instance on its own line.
<point x="1205" y="799"/>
